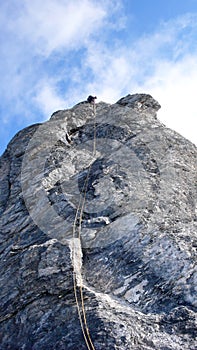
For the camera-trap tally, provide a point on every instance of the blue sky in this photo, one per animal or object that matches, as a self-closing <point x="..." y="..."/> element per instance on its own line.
<point x="55" y="53"/>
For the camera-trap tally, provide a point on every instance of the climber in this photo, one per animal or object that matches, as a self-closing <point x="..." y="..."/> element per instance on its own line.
<point x="91" y="99"/>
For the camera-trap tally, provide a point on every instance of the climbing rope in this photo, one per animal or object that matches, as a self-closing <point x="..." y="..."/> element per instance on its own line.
<point x="79" y="213"/>
<point x="94" y="145"/>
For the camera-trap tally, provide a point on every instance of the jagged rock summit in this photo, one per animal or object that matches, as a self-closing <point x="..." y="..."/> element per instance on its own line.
<point x="98" y="232"/>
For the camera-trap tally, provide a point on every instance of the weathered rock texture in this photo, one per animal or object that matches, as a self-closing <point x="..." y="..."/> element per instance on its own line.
<point x="136" y="254"/>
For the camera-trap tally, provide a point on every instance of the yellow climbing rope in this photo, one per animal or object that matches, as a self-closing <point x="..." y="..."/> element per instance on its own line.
<point x="80" y="209"/>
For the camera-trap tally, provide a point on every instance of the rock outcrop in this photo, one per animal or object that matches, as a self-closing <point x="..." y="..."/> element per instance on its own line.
<point x="98" y="226"/>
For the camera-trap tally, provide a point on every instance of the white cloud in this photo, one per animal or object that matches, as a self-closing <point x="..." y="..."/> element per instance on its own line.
<point x="54" y="25"/>
<point x="42" y="35"/>
<point x="32" y="31"/>
<point x="174" y="86"/>
<point x="47" y="98"/>
<point x="162" y="63"/>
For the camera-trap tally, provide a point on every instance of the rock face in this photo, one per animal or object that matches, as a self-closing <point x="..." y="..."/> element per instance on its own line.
<point x="98" y="232"/>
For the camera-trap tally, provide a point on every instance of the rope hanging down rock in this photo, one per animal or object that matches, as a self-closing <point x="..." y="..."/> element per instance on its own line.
<point x="77" y="251"/>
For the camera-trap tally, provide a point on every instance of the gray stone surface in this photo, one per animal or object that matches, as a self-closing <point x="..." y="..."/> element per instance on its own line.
<point x="136" y="255"/>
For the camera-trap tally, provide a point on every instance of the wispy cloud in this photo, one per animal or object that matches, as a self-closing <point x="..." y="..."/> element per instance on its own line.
<point x="46" y="42"/>
<point x="174" y="85"/>
<point x="163" y="63"/>
<point x="56" y="25"/>
<point x="48" y="99"/>
<point x="37" y="37"/>
<point x="59" y="51"/>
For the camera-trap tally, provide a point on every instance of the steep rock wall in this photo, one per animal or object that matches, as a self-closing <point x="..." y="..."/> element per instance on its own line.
<point x="134" y="251"/>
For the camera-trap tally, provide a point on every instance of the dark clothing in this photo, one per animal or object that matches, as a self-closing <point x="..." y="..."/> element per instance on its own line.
<point x="91" y="99"/>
